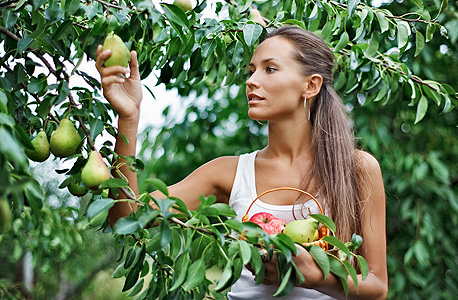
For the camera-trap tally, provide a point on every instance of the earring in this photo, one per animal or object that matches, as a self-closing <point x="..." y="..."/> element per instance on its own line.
<point x="260" y="123"/>
<point x="307" y="109"/>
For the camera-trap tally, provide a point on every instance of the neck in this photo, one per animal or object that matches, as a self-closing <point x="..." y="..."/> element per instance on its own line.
<point x="290" y="139"/>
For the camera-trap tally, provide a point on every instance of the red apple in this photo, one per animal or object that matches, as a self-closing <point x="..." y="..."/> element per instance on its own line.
<point x="268" y="222"/>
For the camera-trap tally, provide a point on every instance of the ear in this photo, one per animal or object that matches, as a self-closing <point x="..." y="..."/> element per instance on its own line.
<point x="312" y="86"/>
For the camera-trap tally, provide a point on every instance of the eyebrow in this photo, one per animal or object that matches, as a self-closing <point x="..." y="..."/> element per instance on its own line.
<point x="264" y="61"/>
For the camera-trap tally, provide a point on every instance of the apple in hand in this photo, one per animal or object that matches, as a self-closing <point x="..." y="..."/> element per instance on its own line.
<point x="268" y="222"/>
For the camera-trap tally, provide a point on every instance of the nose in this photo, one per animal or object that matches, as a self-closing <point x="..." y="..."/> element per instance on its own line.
<point x="252" y="82"/>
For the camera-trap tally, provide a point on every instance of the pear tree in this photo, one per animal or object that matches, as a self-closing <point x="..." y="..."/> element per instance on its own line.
<point x="201" y="50"/>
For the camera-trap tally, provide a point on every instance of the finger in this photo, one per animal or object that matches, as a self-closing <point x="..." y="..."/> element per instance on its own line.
<point x="106" y="81"/>
<point x="134" y="68"/>
<point x="101" y="58"/>
<point x="99" y="50"/>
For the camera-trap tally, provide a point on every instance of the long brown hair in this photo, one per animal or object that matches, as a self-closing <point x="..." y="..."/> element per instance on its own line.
<point x="336" y="167"/>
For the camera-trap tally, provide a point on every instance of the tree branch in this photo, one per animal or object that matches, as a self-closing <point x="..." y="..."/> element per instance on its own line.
<point x="34" y="95"/>
<point x="108" y="4"/>
<point x="388" y="16"/>
<point x="31" y="49"/>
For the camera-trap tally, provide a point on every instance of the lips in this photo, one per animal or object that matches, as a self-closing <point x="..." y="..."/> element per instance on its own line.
<point x="253" y="98"/>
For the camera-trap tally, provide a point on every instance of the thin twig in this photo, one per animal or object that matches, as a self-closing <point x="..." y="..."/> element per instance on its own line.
<point x="388" y="16"/>
<point x="109" y="4"/>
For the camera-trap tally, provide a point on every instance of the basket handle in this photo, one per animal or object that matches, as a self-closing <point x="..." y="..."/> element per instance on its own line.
<point x="245" y="217"/>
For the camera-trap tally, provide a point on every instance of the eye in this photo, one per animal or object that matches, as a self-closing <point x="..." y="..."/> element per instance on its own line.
<point x="249" y="73"/>
<point x="270" y="69"/>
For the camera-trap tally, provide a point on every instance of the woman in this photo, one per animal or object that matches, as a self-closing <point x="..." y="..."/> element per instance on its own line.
<point x="310" y="146"/>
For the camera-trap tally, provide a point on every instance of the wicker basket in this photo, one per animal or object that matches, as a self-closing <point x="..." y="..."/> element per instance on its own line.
<point x="323" y="231"/>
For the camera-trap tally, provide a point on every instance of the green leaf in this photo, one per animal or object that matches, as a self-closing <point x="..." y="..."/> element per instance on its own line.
<point x="343" y="42"/>
<point x="208" y="47"/>
<point x="339" y="270"/>
<point x="287" y="284"/>
<point x="131" y="279"/>
<point x="251" y="33"/>
<point x="224" y="209"/>
<point x="180" y="270"/>
<point x="96" y="128"/>
<point x="130" y="258"/>
<point x="421" y="109"/>
<point x="23" y="44"/>
<point x="363" y="266"/>
<point x="256" y="260"/>
<point x="325" y="220"/>
<point x="126" y="225"/>
<point x="195" y="275"/>
<point x="120" y="271"/>
<point x="430" y="29"/>
<point x="336" y="243"/>
<point x="351" y="6"/>
<point x="158" y="184"/>
<point x="419" y="42"/>
<point x="148" y="217"/>
<point x="226" y="277"/>
<point x="419" y="3"/>
<point x="113" y="183"/>
<point x="444" y="5"/>
<point x="64" y="29"/>
<point x="351" y="270"/>
<point x="286" y="240"/>
<point x="175" y="14"/>
<point x="373" y="44"/>
<point x="99" y="206"/>
<point x="166" y="234"/>
<point x="321" y="259"/>
<point x="295" y="22"/>
<point x="136" y="288"/>
<point x="245" y="252"/>
<point x="383" y="22"/>
<point x="431" y="92"/>
<point x="403" y="34"/>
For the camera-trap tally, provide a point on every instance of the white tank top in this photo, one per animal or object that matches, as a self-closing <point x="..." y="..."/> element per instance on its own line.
<point x="242" y="194"/>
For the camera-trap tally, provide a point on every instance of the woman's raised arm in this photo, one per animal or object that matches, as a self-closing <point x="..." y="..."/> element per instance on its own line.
<point x="124" y="93"/>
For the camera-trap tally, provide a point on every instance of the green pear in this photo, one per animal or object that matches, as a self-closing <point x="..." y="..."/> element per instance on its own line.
<point x="95" y="171"/>
<point x="256" y="16"/>
<point x="77" y="189"/>
<point x="5" y="215"/>
<point x="41" y="145"/>
<point x="302" y="231"/>
<point x="120" y="54"/>
<point x="183" y="4"/>
<point x="65" y="140"/>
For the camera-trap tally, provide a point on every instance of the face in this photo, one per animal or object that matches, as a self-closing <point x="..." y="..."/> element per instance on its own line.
<point x="275" y="85"/>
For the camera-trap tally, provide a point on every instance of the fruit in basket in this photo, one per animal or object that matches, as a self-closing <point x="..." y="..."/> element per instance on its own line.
<point x="302" y="231"/>
<point x="268" y="222"/>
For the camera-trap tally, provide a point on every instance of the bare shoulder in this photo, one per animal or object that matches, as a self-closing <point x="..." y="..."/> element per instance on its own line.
<point x="369" y="165"/>
<point x="220" y="172"/>
<point x="224" y="162"/>
<point x="371" y="177"/>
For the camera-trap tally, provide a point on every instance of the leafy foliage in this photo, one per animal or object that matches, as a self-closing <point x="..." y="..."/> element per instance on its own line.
<point x="391" y="58"/>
